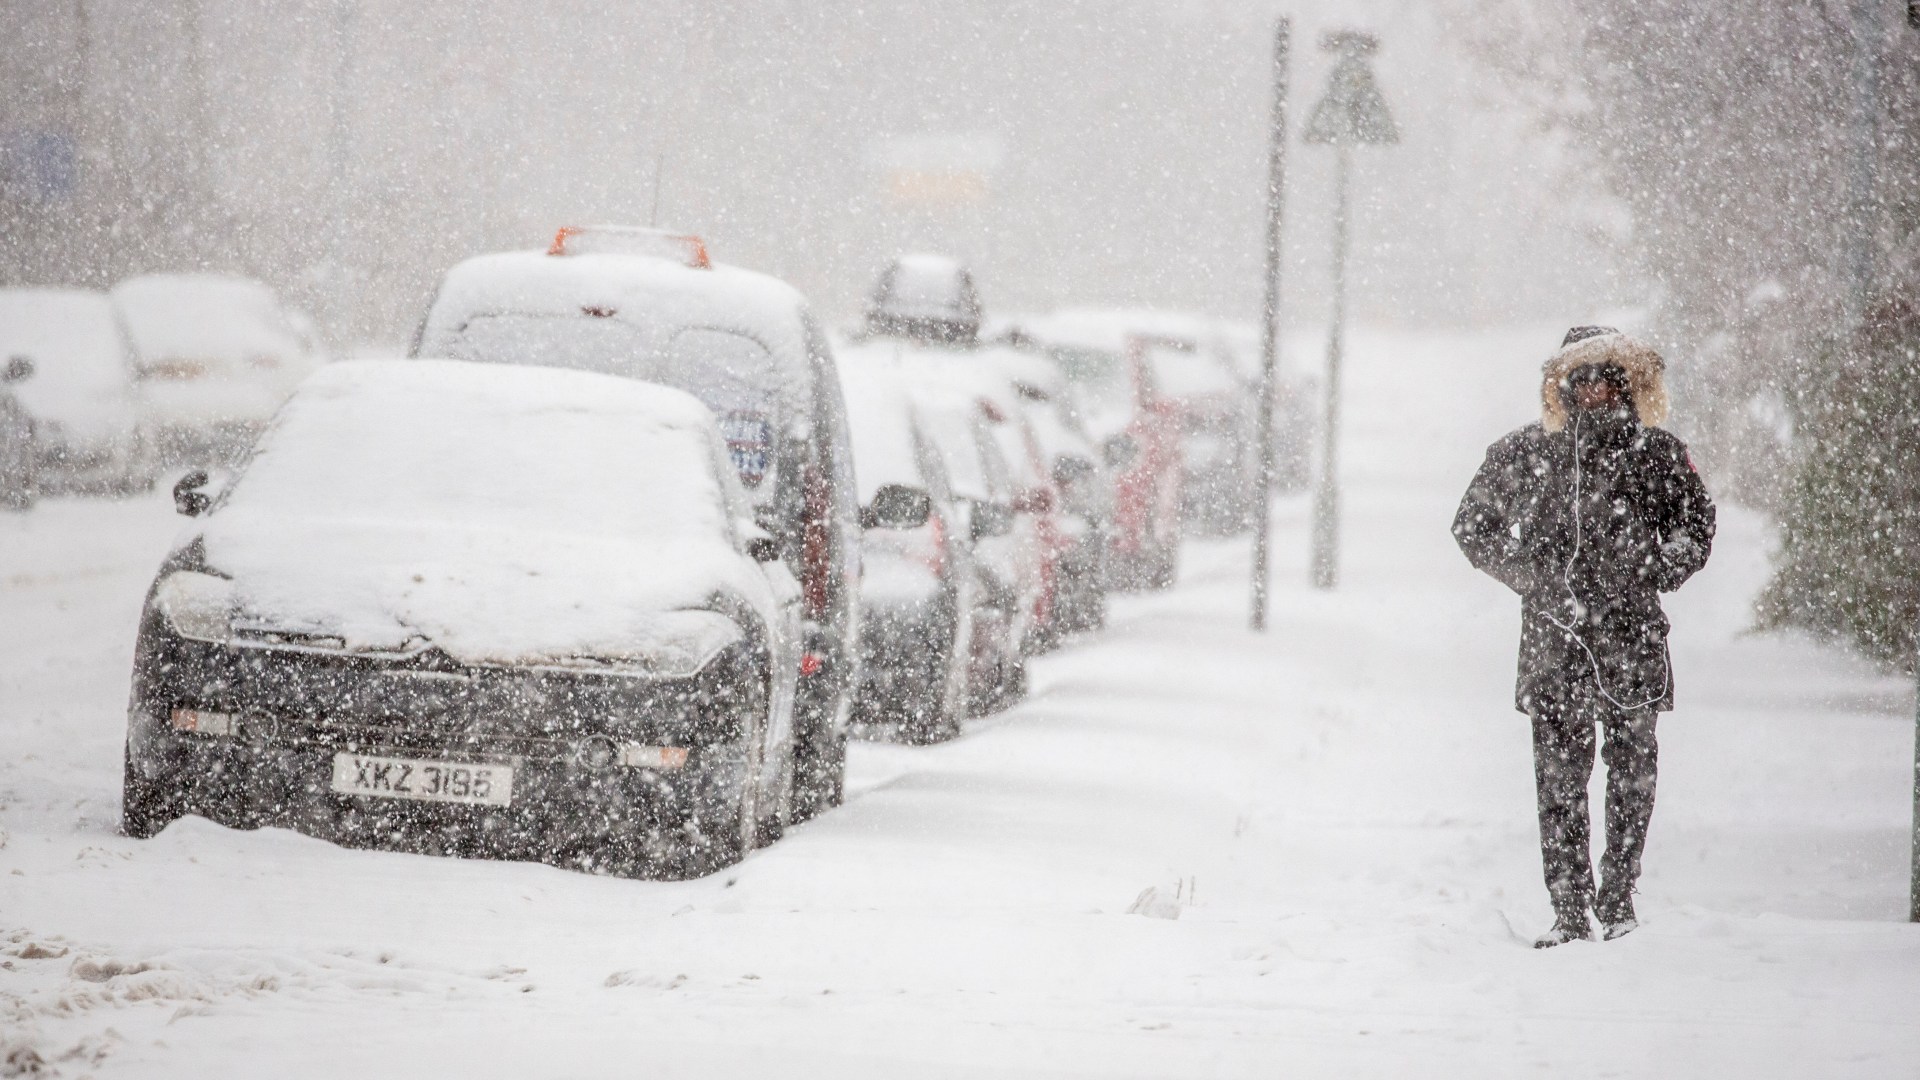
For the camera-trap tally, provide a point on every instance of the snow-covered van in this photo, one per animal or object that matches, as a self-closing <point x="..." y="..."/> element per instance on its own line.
<point x="652" y="306"/>
<point x="80" y="398"/>
<point x="214" y="355"/>
<point x="474" y="609"/>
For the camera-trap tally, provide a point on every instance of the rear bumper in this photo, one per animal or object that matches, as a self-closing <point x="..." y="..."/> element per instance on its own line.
<point x="905" y="651"/>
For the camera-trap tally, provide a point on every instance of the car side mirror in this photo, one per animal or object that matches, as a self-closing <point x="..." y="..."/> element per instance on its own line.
<point x="188" y="499"/>
<point x="1069" y="471"/>
<point x="19" y="368"/>
<point x="990" y="519"/>
<point x="759" y="544"/>
<point x="1034" y="501"/>
<point x="896" y="506"/>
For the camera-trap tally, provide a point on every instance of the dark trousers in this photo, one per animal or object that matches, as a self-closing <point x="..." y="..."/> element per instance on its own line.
<point x="1563" y="742"/>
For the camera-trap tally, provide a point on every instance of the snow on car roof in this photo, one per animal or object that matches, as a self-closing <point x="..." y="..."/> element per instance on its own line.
<point x="1191" y="373"/>
<point x="636" y="288"/>
<point x="924" y="285"/>
<point x="218" y="318"/>
<point x="81" y="376"/>
<point x="947" y="386"/>
<point x="1107" y="329"/>
<point x="500" y="512"/>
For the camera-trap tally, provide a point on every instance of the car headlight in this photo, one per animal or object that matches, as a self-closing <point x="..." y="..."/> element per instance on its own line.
<point x="196" y="605"/>
<point x="683" y="642"/>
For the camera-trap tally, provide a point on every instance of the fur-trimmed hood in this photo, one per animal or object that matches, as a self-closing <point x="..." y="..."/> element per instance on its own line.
<point x="1646" y="376"/>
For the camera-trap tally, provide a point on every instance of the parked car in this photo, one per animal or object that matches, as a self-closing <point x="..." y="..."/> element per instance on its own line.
<point x="1230" y="347"/>
<point x="19" y="466"/>
<point x="1008" y="552"/>
<point x="1115" y="400"/>
<point x="926" y="298"/>
<point x="919" y="589"/>
<point x="1031" y="386"/>
<point x="214" y="356"/>
<point x="651" y="305"/>
<point x="1219" y="461"/>
<point x="925" y="310"/>
<point x="396" y="627"/>
<point x="81" y="399"/>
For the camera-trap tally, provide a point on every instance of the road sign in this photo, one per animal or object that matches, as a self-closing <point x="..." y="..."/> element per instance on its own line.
<point x="1352" y="113"/>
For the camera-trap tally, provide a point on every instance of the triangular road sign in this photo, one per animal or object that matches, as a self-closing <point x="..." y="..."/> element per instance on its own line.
<point x="1353" y="113"/>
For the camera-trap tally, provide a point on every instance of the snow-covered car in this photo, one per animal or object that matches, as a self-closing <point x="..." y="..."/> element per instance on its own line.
<point x="19" y="465"/>
<point x="1223" y="449"/>
<point x="652" y="306"/>
<point x="927" y="298"/>
<point x="81" y="398"/>
<point x="1008" y="553"/>
<point x="474" y="609"/>
<point x="1066" y="481"/>
<point x="1219" y="464"/>
<point x="214" y="356"/>
<point x="1140" y="438"/>
<point x="919" y="587"/>
<point x="965" y="380"/>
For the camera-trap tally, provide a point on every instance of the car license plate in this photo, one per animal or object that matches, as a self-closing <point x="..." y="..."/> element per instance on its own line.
<point x="426" y="781"/>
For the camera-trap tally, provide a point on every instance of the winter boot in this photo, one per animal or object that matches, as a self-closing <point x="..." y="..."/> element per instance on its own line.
<point x="1615" y="912"/>
<point x="1566" y="927"/>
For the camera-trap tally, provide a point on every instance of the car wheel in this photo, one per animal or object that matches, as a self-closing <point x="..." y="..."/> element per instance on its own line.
<point x="927" y="711"/>
<point x="145" y="807"/>
<point x="819" y="775"/>
<point x="1014" y="689"/>
<point x="1163" y="567"/>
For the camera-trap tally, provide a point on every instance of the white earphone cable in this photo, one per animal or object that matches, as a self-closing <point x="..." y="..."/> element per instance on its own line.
<point x="1566" y="578"/>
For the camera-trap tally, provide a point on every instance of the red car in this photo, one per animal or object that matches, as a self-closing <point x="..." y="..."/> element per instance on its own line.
<point x="1120" y="403"/>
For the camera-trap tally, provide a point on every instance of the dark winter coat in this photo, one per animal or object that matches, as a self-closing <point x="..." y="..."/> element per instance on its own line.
<point x="1589" y="518"/>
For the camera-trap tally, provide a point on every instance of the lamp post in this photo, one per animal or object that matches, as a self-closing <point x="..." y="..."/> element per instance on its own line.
<point x="1352" y="113"/>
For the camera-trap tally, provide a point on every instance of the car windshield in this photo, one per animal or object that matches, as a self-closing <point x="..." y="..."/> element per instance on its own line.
<point x="508" y="454"/>
<point x="217" y="323"/>
<point x="732" y="373"/>
<point x="1099" y="386"/>
<point x="1186" y="373"/>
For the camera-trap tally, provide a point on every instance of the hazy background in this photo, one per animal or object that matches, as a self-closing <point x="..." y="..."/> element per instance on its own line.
<point x="1093" y="151"/>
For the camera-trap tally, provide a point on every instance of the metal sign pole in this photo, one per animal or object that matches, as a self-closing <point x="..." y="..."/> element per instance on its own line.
<point x="1270" y="323"/>
<point x="1913" y="885"/>
<point x="1326" y="502"/>
<point x="1351" y="114"/>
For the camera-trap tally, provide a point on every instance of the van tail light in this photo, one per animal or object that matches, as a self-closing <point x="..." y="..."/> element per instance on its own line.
<point x="812" y="664"/>
<point x="935" y="556"/>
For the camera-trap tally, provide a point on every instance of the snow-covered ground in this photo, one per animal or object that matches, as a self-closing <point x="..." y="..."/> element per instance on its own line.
<point x="1340" y="813"/>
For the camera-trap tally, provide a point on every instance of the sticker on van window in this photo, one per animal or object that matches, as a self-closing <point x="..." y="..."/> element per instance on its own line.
<point x="749" y="443"/>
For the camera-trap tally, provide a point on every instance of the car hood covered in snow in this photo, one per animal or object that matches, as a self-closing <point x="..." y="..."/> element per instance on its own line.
<point x="501" y="514"/>
<point x="479" y="595"/>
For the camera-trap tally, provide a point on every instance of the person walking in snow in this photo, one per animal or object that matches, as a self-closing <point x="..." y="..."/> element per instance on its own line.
<point x="1590" y="514"/>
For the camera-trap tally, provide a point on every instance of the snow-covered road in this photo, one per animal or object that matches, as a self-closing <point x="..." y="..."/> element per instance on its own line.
<point x="1339" y="812"/>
